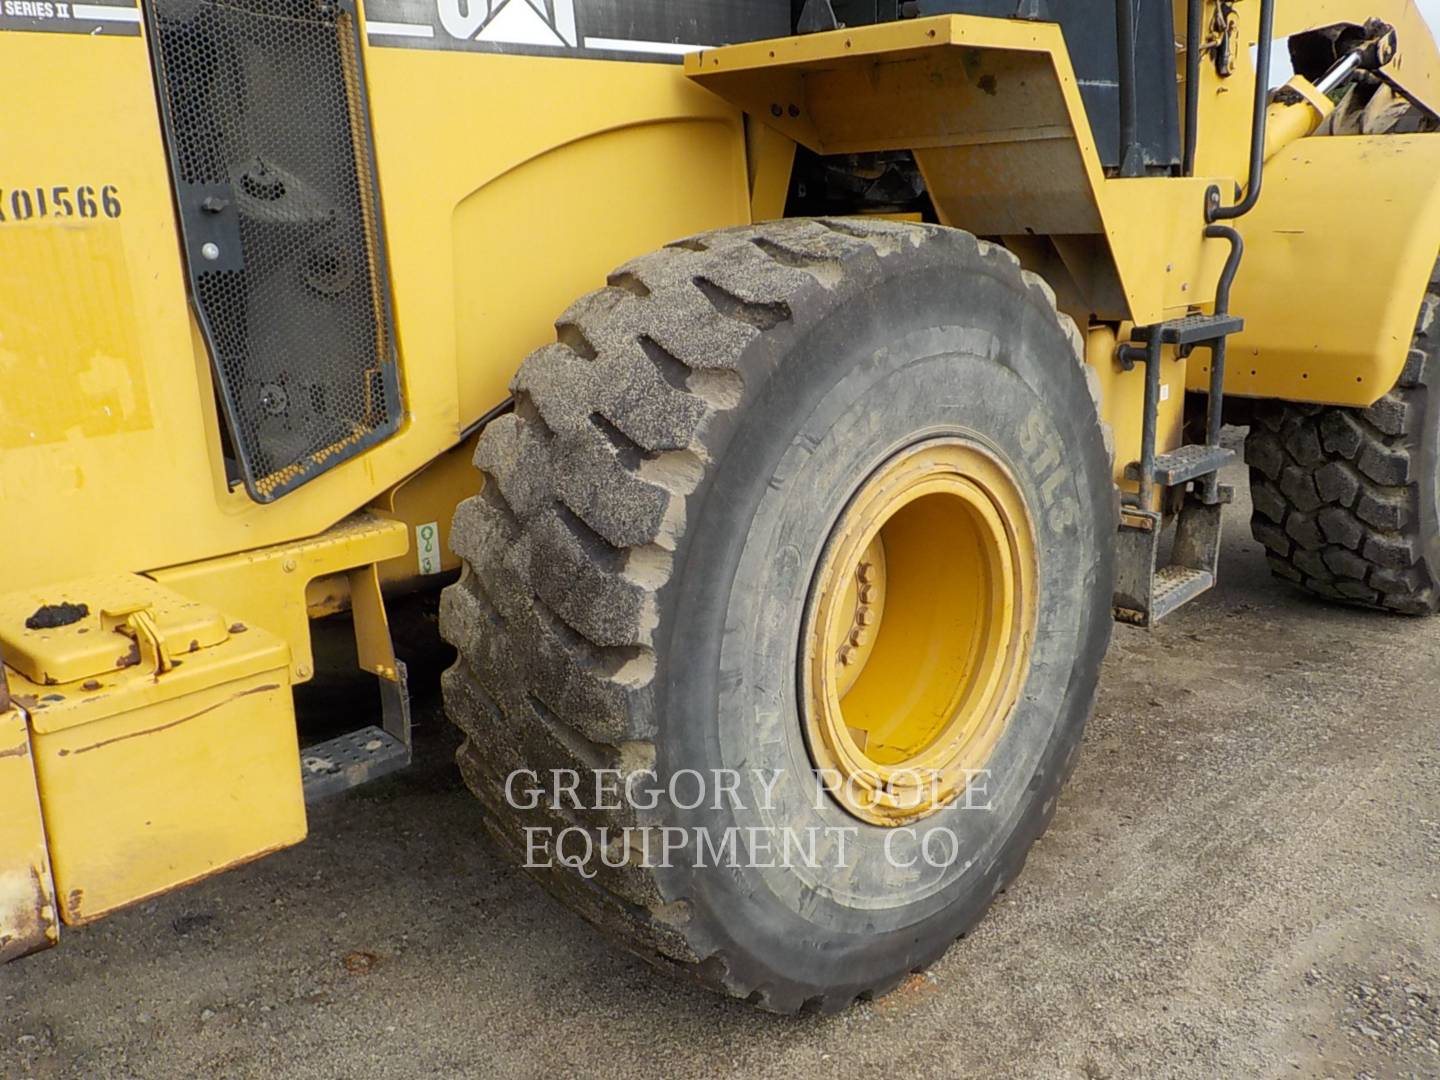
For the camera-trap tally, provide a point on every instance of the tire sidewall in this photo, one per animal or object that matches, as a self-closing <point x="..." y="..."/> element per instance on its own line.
<point x="939" y="340"/>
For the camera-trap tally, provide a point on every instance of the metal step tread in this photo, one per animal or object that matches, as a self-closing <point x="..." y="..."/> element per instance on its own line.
<point x="348" y="760"/>
<point x="1192" y="329"/>
<point x="1176" y="586"/>
<point x="1189" y="462"/>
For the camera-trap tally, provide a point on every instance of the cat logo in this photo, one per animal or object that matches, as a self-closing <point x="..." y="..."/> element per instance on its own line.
<point x="601" y="29"/>
<point x="511" y="22"/>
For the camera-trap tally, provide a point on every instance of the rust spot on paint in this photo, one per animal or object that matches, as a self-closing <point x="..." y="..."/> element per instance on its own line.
<point x="23" y="750"/>
<point x="238" y="628"/>
<point x="30" y="926"/>
<point x="129" y="658"/>
<point x="90" y="684"/>
<point x="73" y="901"/>
<point x="194" y="644"/>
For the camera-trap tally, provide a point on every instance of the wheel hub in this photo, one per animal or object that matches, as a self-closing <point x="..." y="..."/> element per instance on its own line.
<point x="918" y="631"/>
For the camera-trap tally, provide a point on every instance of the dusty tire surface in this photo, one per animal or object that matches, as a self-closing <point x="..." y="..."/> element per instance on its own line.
<point x="638" y="562"/>
<point x="1345" y="500"/>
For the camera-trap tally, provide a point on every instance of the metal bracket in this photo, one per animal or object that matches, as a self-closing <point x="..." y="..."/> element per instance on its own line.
<point x="358" y="757"/>
<point x="1226" y="27"/>
<point x="138" y="622"/>
<point x="395" y="705"/>
<point x="1146" y="592"/>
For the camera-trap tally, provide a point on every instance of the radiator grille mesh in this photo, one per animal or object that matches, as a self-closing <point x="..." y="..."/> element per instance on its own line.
<point x="271" y="158"/>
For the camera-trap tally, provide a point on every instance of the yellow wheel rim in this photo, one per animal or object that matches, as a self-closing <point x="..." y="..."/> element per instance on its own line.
<point x="918" y="630"/>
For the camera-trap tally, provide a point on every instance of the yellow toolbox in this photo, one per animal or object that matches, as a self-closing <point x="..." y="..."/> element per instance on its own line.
<point x="162" y="735"/>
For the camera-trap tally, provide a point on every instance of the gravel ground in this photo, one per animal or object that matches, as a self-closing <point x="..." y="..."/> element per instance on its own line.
<point x="1243" y="880"/>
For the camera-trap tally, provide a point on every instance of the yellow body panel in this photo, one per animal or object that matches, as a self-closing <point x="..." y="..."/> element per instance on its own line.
<point x="771" y="159"/>
<point x="480" y="266"/>
<point x="27" y="894"/>
<point x="1223" y="133"/>
<point x="1335" y="270"/>
<point x="268" y="588"/>
<point x="425" y="503"/>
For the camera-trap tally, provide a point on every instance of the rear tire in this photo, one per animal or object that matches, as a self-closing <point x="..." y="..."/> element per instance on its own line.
<point x="637" y="571"/>
<point x="1345" y="500"/>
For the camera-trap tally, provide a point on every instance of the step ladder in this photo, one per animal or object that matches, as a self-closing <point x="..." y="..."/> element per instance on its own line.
<point x="375" y="750"/>
<point x="358" y="757"/>
<point x="1145" y="589"/>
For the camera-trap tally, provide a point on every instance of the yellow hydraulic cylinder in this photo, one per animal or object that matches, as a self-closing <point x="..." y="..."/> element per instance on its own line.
<point x="1295" y="111"/>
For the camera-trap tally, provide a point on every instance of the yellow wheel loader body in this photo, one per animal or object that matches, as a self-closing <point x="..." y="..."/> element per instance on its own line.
<point x="110" y="401"/>
<point x="501" y="168"/>
<point x="111" y="436"/>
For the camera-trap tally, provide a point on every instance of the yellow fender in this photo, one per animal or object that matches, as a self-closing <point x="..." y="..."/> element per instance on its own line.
<point x="991" y="109"/>
<point x="1338" y="255"/>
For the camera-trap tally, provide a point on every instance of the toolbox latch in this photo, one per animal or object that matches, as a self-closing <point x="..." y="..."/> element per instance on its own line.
<point x="138" y="623"/>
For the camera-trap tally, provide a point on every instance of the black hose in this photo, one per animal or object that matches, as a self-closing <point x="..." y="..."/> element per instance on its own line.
<point x="1257" y="128"/>
<point x="1194" y="31"/>
<point x="1131" y="159"/>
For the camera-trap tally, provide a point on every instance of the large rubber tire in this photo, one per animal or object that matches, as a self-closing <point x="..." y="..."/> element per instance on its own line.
<point x="1345" y="500"/>
<point x="638" y="560"/>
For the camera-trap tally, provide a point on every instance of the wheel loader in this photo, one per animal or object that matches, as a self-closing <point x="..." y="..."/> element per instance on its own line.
<point x="786" y="397"/>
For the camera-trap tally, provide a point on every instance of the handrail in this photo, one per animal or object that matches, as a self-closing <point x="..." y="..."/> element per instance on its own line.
<point x="1213" y="212"/>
